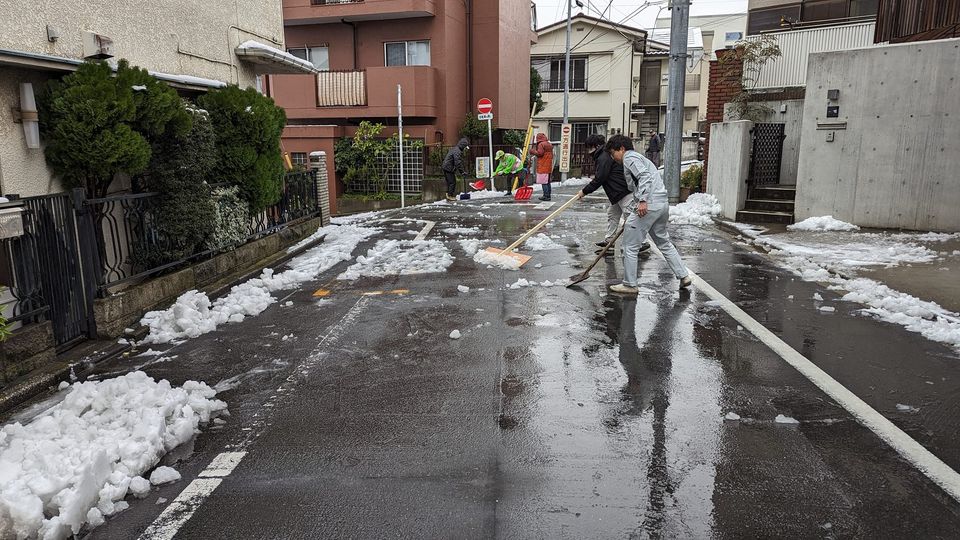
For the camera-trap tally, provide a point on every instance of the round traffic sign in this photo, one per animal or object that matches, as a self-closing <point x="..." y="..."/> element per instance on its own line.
<point x="484" y="106"/>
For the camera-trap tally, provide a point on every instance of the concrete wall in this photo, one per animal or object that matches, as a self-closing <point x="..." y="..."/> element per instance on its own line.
<point x="790" y="113"/>
<point x="23" y="170"/>
<point x="893" y="158"/>
<point x="729" y="164"/>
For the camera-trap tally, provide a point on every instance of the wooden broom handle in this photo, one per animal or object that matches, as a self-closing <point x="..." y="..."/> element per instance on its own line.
<point x="540" y="225"/>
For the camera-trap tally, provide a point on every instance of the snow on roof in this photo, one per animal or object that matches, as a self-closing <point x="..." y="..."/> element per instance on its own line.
<point x="694" y="36"/>
<point x="188" y="80"/>
<point x="262" y="53"/>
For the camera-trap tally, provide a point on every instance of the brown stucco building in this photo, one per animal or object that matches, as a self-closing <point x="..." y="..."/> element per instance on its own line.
<point x="445" y="54"/>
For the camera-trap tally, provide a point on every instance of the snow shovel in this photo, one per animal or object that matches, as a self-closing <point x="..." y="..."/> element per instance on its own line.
<point x="479" y="185"/>
<point x="519" y="257"/>
<point x="586" y="273"/>
<point x="523" y="193"/>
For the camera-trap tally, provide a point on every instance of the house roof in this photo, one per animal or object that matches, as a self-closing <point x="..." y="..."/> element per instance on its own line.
<point x="580" y="17"/>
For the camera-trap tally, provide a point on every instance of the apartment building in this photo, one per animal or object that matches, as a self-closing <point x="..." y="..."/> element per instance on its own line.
<point x="193" y="46"/>
<point x="444" y="55"/>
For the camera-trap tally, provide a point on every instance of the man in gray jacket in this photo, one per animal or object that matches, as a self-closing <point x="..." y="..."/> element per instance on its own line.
<point x="648" y="213"/>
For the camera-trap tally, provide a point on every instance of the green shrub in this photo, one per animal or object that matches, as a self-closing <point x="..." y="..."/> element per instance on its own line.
<point x="159" y="112"/>
<point x="184" y="216"/>
<point x="692" y="177"/>
<point x="514" y="137"/>
<point x="248" y="126"/>
<point x="86" y="120"/>
<point x="231" y="218"/>
<point x="473" y="129"/>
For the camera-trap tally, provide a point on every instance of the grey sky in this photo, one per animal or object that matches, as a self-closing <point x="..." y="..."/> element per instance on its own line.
<point x="550" y="11"/>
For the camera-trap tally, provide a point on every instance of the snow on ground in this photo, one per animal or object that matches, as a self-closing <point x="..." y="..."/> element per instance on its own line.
<point x="193" y="314"/>
<point x="836" y="258"/>
<point x="456" y="231"/>
<point x="575" y="182"/>
<point x="495" y="259"/>
<point x="822" y="223"/>
<point x="486" y="194"/>
<point x="470" y="246"/>
<point x="521" y="283"/>
<point x="698" y="210"/>
<point x="400" y="257"/>
<point x="357" y="218"/>
<point x="542" y="242"/>
<point x="75" y="463"/>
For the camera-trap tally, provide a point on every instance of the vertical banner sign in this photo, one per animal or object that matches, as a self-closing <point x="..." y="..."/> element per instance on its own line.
<point x="482" y="168"/>
<point x="485" y="108"/>
<point x="565" y="144"/>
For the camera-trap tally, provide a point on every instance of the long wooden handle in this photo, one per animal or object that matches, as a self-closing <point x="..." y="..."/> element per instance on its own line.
<point x="605" y="249"/>
<point x="540" y="225"/>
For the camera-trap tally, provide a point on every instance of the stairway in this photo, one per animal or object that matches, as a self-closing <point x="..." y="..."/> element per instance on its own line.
<point x="769" y="204"/>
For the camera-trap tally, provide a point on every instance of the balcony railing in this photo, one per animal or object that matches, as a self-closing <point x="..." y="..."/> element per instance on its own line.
<point x="330" y="2"/>
<point x="341" y="88"/>
<point x="556" y="85"/>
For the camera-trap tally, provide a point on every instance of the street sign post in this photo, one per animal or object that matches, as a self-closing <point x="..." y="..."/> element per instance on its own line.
<point x="485" y="108"/>
<point x="565" y="144"/>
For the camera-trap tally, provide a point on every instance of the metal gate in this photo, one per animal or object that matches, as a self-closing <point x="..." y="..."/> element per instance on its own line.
<point x="767" y="154"/>
<point x="48" y="280"/>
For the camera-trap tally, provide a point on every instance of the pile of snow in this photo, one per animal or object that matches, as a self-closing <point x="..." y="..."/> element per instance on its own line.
<point x="357" y="218"/>
<point x="193" y="314"/>
<point x="699" y="210"/>
<point x="486" y="194"/>
<point x="76" y="463"/>
<point x="462" y="230"/>
<point x="541" y="242"/>
<point x="463" y="288"/>
<point x="400" y="258"/>
<point x="521" y="283"/>
<point x="455" y="334"/>
<point x="781" y="419"/>
<point x="470" y="246"/>
<point x="164" y="475"/>
<point x="847" y="256"/>
<point x="575" y="182"/>
<point x="495" y="259"/>
<point x="822" y="223"/>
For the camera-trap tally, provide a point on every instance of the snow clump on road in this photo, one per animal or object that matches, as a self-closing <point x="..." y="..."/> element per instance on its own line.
<point x="822" y="223"/>
<point x="193" y="314"/>
<point x="575" y="182"/>
<point x="542" y="242"/>
<point x="698" y="210"/>
<point x="400" y="258"/>
<point x="470" y="246"/>
<point x="164" y="475"/>
<point x="495" y="259"/>
<point x="76" y="463"/>
<point x="455" y="334"/>
<point x="461" y="230"/>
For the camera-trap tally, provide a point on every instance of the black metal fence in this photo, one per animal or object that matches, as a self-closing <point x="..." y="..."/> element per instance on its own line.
<point x="129" y="233"/>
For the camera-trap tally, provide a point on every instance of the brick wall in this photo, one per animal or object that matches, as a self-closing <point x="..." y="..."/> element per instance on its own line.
<point x="725" y="84"/>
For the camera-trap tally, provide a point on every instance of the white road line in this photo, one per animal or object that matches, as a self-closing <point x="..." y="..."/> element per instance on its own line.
<point x="168" y="524"/>
<point x="930" y="465"/>
<point x="425" y="231"/>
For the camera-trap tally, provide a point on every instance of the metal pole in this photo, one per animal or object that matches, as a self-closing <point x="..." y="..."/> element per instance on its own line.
<point x="490" y="144"/>
<point x="679" y="19"/>
<point x="403" y="201"/>
<point x="566" y="80"/>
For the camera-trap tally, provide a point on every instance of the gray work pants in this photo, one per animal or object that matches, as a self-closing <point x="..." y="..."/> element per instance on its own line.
<point x="614" y="215"/>
<point x="634" y="234"/>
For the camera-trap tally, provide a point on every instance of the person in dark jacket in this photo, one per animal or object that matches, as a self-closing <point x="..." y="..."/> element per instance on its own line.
<point x="654" y="147"/>
<point x="609" y="176"/>
<point x="453" y="164"/>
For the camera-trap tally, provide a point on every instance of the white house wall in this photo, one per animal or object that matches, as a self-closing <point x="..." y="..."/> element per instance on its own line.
<point x="894" y="164"/>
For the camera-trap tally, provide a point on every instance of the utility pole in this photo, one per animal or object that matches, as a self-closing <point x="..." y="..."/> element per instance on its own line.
<point x="566" y="78"/>
<point x="679" y="19"/>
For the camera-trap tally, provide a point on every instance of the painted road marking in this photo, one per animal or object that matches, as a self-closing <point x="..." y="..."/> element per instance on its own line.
<point x="928" y="464"/>
<point x="426" y="230"/>
<point x="544" y="206"/>
<point x="178" y="512"/>
<point x="322" y="293"/>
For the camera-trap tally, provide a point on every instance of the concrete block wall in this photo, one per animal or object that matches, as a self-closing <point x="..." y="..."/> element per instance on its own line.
<point x="323" y="185"/>
<point x="730" y="165"/>
<point x="889" y="159"/>
<point x="724" y="86"/>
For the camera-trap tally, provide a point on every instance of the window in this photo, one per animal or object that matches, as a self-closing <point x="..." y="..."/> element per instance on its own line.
<point x="318" y="56"/>
<point x="691" y="82"/>
<point x="552" y="70"/>
<point x="406" y="53"/>
<point x="299" y="160"/>
<point x="733" y="36"/>
<point x="760" y="20"/>
<point x="824" y="10"/>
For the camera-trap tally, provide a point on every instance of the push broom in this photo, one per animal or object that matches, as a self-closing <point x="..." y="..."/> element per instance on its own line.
<point x="521" y="259"/>
<point x="586" y="273"/>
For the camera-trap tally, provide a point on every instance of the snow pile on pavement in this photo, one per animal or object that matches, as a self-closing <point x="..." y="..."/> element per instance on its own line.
<point x="470" y="246"/>
<point x="462" y="230"/>
<point x="164" y="475"/>
<point x="486" y="194"/>
<point x="463" y="288"/>
<point x="495" y="259"/>
<point x="575" y="182"/>
<point x="77" y="462"/>
<point x="698" y="210"/>
<point x="847" y="256"/>
<point x="193" y="314"/>
<point x="357" y="218"/>
<point x="822" y="223"/>
<point x="521" y="283"/>
<point x="455" y="334"/>
<point x="400" y="258"/>
<point x="542" y="242"/>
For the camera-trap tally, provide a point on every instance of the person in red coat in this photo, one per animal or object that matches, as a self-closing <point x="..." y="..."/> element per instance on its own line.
<point x="543" y="150"/>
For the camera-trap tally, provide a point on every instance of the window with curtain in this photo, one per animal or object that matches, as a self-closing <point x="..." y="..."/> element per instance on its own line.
<point x="407" y="53"/>
<point x="552" y="70"/>
<point x="318" y="56"/>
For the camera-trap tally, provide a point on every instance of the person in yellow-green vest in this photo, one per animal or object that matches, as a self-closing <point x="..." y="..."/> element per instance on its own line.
<point x="508" y="166"/>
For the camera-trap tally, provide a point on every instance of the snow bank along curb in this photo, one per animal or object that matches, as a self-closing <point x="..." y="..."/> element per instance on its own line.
<point x="193" y="314"/>
<point x="77" y="462"/>
<point x="699" y="210"/>
<point x="400" y="258"/>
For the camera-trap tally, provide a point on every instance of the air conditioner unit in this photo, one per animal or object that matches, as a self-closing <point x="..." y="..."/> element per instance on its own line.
<point x="97" y="46"/>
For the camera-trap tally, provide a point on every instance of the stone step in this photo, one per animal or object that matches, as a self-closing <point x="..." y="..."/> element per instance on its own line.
<point x="764" y="216"/>
<point x="774" y="192"/>
<point x="770" y="205"/>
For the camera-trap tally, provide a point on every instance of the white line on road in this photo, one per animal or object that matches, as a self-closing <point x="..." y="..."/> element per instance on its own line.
<point x="921" y="458"/>
<point x="168" y="524"/>
<point x="425" y="231"/>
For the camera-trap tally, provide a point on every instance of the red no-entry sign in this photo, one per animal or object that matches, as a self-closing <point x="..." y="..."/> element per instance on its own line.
<point x="484" y="106"/>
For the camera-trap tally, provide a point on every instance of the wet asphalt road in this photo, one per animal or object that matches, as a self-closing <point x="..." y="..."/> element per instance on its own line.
<point x="572" y="414"/>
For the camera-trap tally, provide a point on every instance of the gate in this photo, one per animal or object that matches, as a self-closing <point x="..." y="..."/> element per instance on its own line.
<point x="767" y="154"/>
<point x="47" y="277"/>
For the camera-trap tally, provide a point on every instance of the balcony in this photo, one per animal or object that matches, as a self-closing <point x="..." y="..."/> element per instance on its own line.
<point x="296" y="12"/>
<point x="370" y="93"/>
